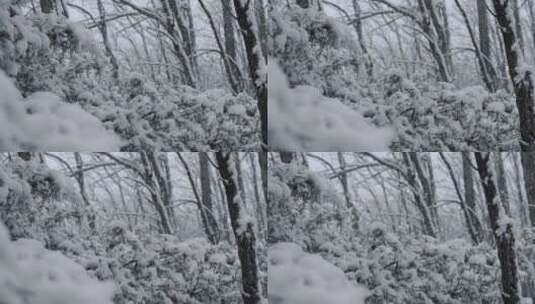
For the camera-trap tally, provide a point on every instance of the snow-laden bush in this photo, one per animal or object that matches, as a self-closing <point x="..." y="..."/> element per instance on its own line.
<point x="170" y="118"/>
<point x="49" y="53"/>
<point x="406" y="269"/>
<point x="163" y="269"/>
<point x="313" y="48"/>
<point x="296" y="277"/>
<point x="440" y="117"/>
<point x="301" y="119"/>
<point x="417" y="270"/>
<point x="316" y="51"/>
<point x="29" y="273"/>
<point x="34" y="199"/>
<point x="41" y="121"/>
<point x="39" y="203"/>
<point x="296" y="197"/>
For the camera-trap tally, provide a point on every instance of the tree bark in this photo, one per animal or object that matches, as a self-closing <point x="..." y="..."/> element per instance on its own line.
<point x="475" y="235"/>
<point x="262" y="26"/>
<point x="524" y="218"/>
<point x="528" y="168"/>
<point x="230" y="45"/>
<point x="470" y="197"/>
<point x="532" y="24"/>
<point x="485" y="45"/>
<point x="522" y="79"/>
<point x="206" y="192"/>
<point x="503" y="232"/>
<point x="426" y="186"/>
<point x="255" y="59"/>
<point x="202" y="211"/>
<point x="482" y="49"/>
<point x="518" y="26"/>
<point x="347" y="195"/>
<point x="358" y="28"/>
<point x="239" y="177"/>
<point x="410" y="175"/>
<point x="263" y="164"/>
<point x="91" y="217"/>
<point x="180" y="51"/>
<point x="260" y="213"/>
<point x="435" y="34"/>
<point x="502" y="183"/>
<point x="243" y="231"/>
<point x="185" y="28"/>
<point x="103" y="27"/>
<point x="226" y="62"/>
<point x="523" y="87"/>
<point x="155" y="193"/>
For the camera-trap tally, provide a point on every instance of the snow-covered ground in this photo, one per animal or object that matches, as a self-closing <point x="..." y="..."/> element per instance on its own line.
<point x="296" y="277"/>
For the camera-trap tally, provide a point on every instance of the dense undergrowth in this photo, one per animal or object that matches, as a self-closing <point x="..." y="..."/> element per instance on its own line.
<point x="48" y="53"/>
<point x="319" y="53"/>
<point x="52" y="233"/>
<point x="394" y="266"/>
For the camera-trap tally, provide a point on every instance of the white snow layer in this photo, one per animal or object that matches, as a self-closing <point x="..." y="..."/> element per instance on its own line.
<point x="301" y="119"/>
<point x="296" y="277"/>
<point x="29" y="273"/>
<point x="43" y="122"/>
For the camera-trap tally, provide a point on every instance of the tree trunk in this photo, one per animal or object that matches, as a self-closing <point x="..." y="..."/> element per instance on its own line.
<point x="223" y="210"/>
<point x="502" y="183"/>
<point x="243" y="231"/>
<point x="161" y="174"/>
<point x="260" y="213"/>
<point x="519" y="189"/>
<point x="484" y="43"/>
<point x="263" y="164"/>
<point x="503" y="232"/>
<point x="180" y="51"/>
<point x="428" y="224"/>
<point x="522" y="79"/>
<point x="435" y="34"/>
<point x="528" y="168"/>
<point x="155" y="193"/>
<point x="446" y="43"/>
<point x="192" y="37"/>
<point x="206" y="192"/>
<point x="180" y="14"/>
<point x="475" y="235"/>
<point x="91" y="217"/>
<point x="230" y="46"/>
<point x="255" y="59"/>
<point x="239" y="178"/>
<point x="226" y="62"/>
<point x="355" y="218"/>
<point x="202" y="210"/>
<point x="104" y="32"/>
<point x="426" y="186"/>
<point x="482" y="48"/>
<point x="523" y="87"/>
<point x="262" y="26"/>
<point x="358" y="28"/>
<point x="518" y="26"/>
<point x="532" y="24"/>
<point x="470" y="197"/>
